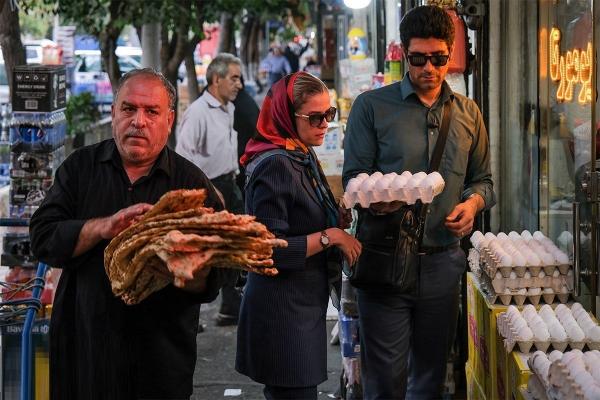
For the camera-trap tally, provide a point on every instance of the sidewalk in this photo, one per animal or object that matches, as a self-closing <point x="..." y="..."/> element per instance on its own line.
<point x="216" y="359"/>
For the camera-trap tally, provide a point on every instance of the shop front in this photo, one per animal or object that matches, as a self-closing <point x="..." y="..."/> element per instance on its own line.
<point x="541" y="108"/>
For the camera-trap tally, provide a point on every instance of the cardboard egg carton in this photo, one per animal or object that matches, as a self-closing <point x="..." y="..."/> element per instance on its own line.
<point x="492" y="264"/>
<point x="536" y="388"/>
<point x="495" y="290"/>
<point x="511" y="338"/>
<point x="562" y="384"/>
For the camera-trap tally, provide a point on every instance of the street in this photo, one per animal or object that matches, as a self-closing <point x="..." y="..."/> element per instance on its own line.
<point x="215" y="371"/>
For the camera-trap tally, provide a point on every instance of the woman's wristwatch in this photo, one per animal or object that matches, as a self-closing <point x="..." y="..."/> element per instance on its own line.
<point x="324" y="240"/>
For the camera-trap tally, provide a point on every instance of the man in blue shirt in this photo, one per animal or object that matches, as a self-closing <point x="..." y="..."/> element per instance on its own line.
<point x="405" y="336"/>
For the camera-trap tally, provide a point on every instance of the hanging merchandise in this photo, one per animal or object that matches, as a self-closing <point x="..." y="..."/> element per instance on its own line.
<point x="458" y="59"/>
<point x="357" y="44"/>
<point x="393" y="63"/>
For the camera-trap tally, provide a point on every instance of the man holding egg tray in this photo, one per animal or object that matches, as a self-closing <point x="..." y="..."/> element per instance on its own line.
<point x="405" y="334"/>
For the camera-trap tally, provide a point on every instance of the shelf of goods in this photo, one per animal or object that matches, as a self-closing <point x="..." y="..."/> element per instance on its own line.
<point x="492" y="373"/>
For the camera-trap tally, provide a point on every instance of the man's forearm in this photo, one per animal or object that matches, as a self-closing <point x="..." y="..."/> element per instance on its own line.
<point x="89" y="236"/>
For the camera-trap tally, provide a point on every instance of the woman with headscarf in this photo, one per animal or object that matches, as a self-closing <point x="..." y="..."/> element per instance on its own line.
<point x="282" y="338"/>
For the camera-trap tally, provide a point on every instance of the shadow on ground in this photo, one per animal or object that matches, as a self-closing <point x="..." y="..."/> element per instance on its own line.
<point x="216" y="359"/>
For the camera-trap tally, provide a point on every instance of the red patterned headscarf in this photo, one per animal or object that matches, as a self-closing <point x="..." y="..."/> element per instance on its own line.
<point x="276" y="122"/>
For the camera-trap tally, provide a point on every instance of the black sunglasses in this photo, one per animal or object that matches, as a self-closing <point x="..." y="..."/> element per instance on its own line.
<point x="315" y="120"/>
<point x="419" y="60"/>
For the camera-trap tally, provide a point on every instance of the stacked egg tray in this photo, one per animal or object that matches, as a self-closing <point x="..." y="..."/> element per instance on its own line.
<point x="560" y="328"/>
<point x="366" y="189"/>
<point x="574" y="375"/>
<point x="517" y="290"/>
<point x="519" y="267"/>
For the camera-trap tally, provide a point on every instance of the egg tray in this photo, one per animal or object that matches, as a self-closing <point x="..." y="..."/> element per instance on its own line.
<point x="511" y="340"/>
<point x="492" y="264"/>
<point x="554" y="283"/>
<point x="537" y="390"/>
<point x="561" y="383"/>
<point x="494" y="296"/>
<point x="426" y="195"/>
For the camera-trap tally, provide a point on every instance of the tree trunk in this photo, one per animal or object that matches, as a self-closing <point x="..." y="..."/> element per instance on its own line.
<point x="108" y="46"/>
<point x="190" y="67"/>
<point x="246" y="43"/>
<point x="172" y="54"/>
<point x="227" y="38"/>
<point x="13" y="51"/>
<point x="151" y="45"/>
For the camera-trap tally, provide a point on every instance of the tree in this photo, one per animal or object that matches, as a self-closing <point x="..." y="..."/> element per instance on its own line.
<point x="13" y="51"/>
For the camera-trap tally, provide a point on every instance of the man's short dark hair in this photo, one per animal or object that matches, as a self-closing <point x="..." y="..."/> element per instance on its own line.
<point x="151" y="73"/>
<point x="426" y="22"/>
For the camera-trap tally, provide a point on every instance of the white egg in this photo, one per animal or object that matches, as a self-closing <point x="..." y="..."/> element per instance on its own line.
<point x="575" y="333"/>
<point x="542" y="274"/>
<point x="399" y="182"/>
<point x="498" y="275"/>
<point x="533" y="259"/>
<point x="522" y="291"/>
<point x="527" y="275"/>
<point x="514" y="236"/>
<point x="414" y="180"/>
<point x="490" y="236"/>
<point x="353" y="185"/>
<point x="406" y="174"/>
<point x="376" y="175"/>
<point x="556" y="273"/>
<point x="557" y="332"/>
<point x="548" y="290"/>
<point x="525" y="333"/>
<point x="560" y="309"/>
<point x="383" y="183"/>
<point x="537" y="235"/>
<point x="562" y="258"/>
<point x="502" y="236"/>
<point x="526" y="235"/>
<point x="555" y="356"/>
<point x="528" y="310"/>
<point x="513" y="275"/>
<point x="506" y="261"/>
<point x="362" y="176"/>
<point x="519" y="259"/>
<point x="512" y="310"/>
<point x="546" y="258"/>
<point x="534" y="291"/>
<point x="367" y="185"/>
<point x="594" y="334"/>
<point x="576" y="306"/>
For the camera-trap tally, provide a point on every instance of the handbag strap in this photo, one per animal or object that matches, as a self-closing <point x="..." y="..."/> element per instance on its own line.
<point x="436" y="158"/>
<point x="440" y="144"/>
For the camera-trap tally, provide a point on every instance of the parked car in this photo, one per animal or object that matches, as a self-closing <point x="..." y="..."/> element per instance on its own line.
<point x="89" y="76"/>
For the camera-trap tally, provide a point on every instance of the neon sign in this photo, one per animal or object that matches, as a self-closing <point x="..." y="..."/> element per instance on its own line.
<point x="570" y="69"/>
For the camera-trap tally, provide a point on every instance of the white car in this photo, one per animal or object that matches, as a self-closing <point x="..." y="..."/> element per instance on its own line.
<point x="89" y="76"/>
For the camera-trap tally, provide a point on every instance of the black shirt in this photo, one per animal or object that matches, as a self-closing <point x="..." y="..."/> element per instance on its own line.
<point x="101" y="348"/>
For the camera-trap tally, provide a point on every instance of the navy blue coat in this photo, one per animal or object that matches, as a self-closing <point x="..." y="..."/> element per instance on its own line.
<point x="282" y="338"/>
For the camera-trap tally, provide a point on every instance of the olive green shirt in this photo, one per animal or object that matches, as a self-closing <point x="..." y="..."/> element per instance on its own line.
<point x="391" y="130"/>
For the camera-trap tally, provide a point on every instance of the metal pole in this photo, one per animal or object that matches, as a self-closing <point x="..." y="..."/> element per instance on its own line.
<point x="26" y="350"/>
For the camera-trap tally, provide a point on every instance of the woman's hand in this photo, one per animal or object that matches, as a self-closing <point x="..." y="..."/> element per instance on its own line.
<point x="350" y="247"/>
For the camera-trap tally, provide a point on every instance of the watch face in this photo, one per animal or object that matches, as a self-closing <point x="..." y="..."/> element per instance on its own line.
<point x="324" y="241"/>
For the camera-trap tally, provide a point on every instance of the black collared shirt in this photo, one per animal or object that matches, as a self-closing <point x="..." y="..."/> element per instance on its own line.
<point x="101" y="348"/>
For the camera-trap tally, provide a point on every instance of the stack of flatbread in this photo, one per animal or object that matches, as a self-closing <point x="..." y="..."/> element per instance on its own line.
<point x="181" y="234"/>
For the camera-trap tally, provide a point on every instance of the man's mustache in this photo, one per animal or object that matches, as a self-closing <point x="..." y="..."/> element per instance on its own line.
<point x="135" y="133"/>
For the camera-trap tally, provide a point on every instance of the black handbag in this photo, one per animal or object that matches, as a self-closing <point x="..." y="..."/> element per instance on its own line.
<point x="391" y="242"/>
